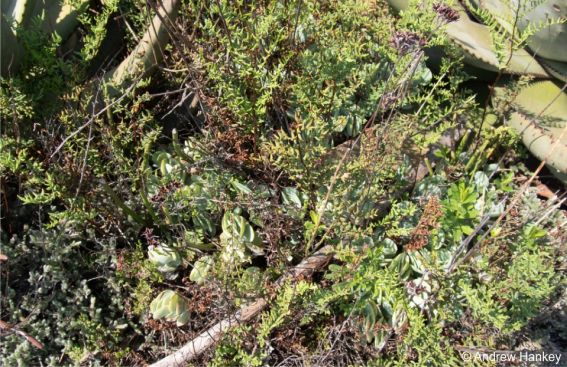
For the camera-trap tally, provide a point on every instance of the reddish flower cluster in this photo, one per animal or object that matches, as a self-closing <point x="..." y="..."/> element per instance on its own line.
<point x="164" y="191"/>
<point x="151" y="239"/>
<point x="446" y="13"/>
<point x="428" y="221"/>
<point x="406" y="42"/>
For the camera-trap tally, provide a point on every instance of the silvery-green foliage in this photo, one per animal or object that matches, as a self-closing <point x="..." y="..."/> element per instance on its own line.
<point x="58" y="295"/>
<point x="295" y="202"/>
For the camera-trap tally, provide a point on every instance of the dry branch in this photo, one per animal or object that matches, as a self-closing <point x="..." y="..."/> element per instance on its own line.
<point x="209" y="337"/>
<point x="13" y="329"/>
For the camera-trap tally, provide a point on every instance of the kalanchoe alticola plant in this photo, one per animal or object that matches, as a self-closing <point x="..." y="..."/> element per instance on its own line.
<point x="170" y="306"/>
<point x="238" y="239"/>
<point x="165" y="258"/>
<point x="201" y="269"/>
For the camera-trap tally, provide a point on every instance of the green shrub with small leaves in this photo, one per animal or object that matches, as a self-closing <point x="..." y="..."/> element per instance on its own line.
<point x="70" y="309"/>
<point x="273" y="130"/>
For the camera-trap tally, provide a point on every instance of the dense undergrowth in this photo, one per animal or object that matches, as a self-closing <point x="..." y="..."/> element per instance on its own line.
<point x="271" y="130"/>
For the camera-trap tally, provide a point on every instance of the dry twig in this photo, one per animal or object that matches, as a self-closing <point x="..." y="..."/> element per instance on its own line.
<point x="209" y="337"/>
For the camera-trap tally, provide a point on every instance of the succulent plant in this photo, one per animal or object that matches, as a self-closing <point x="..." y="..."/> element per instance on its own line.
<point x="148" y="52"/>
<point x="238" y="236"/>
<point x="201" y="269"/>
<point x="170" y="306"/>
<point x="545" y="42"/>
<point x="543" y="133"/>
<point x="420" y="290"/>
<point x="379" y="320"/>
<point x="164" y="257"/>
<point x="55" y="17"/>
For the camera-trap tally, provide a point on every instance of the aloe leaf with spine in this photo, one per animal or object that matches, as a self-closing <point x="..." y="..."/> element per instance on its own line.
<point x="540" y="117"/>
<point x="475" y="41"/>
<point x="549" y="42"/>
<point x="538" y="103"/>
<point x="57" y="17"/>
<point x="61" y="18"/>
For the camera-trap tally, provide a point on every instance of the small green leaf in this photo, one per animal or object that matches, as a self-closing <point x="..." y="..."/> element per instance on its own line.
<point x="203" y="222"/>
<point x="240" y="187"/>
<point x="314" y="216"/>
<point x="290" y="196"/>
<point x="467" y="230"/>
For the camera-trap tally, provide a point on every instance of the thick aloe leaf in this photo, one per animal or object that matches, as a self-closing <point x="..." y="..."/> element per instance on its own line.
<point x="58" y="17"/>
<point x="149" y="51"/>
<point x="16" y="9"/>
<point x="62" y="18"/>
<point x="502" y="11"/>
<point x="541" y="119"/>
<point x="476" y="42"/>
<point x="544" y="97"/>
<point x="11" y="50"/>
<point x="556" y="68"/>
<point x="549" y="44"/>
<point x="550" y="41"/>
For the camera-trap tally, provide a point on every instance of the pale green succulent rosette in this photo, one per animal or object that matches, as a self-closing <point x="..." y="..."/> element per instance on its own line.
<point x="165" y="258"/>
<point x="170" y="306"/>
<point x="201" y="269"/>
